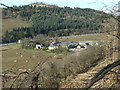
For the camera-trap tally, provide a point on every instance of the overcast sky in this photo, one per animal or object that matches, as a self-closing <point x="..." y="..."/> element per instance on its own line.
<point x="94" y="4"/>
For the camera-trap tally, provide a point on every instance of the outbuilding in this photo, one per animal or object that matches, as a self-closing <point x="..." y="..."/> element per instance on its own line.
<point x="38" y="46"/>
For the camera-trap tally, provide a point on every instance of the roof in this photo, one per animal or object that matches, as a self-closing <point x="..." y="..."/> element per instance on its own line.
<point x="64" y="43"/>
<point x="60" y="43"/>
<point x="74" y="44"/>
<point x="88" y="42"/>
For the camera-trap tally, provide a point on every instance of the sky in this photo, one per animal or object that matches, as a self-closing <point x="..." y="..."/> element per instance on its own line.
<point x="94" y="4"/>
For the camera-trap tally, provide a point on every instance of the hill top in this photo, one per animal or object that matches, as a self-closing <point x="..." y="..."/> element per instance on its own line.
<point x="41" y="4"/>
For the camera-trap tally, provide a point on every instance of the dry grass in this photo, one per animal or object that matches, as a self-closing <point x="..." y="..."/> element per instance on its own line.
<point x="11" y="23"/>
<point x="99" y="37"/>
<point x="22" y="58"/>
<point x="28" y="58"/>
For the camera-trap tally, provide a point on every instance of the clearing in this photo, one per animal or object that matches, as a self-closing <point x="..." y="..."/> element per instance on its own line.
<point x="10" y="23"/>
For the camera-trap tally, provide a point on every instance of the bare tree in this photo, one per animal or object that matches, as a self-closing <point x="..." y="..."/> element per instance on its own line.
<point x="34" y="75"/>
<point x="113" y="30"/>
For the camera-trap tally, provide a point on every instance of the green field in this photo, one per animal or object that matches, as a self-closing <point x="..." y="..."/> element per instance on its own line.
<point x="11" y="23"/>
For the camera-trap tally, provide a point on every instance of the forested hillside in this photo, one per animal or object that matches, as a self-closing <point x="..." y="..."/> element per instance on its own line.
<point x="53" y="21"/>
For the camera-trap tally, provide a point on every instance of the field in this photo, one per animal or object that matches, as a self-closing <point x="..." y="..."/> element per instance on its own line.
<point x="99" y="37"/>
<point x="11" y="23"/>
<point x="18" y="58"/>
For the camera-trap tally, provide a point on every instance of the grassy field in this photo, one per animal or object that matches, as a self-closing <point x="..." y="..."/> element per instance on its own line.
<point x="28" y="58"/>
<point x="11" y="23"/>
<point x="99" y="37"/>
<point x="16" y="58"/>
<point x="14" y="55"/>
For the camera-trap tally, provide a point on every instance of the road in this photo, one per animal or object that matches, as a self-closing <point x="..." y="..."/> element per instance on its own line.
<point x="78" y="35"/>
<point x="8" y="44"/>
<point x="60" y="37"/>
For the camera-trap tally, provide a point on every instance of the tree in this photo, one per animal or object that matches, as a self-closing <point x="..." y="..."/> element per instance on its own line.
<point x="41" y="38"/>
<point x="114" y="31"/>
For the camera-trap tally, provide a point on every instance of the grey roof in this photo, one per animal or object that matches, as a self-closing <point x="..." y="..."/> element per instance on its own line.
<point x="74" y="44"/>
<point x="65" y="43"/>
<point x="88" y="42"/>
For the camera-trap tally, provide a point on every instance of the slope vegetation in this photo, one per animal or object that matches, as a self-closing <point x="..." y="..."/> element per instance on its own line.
<point x="54" y="21"/>
<point x="13" y="23"/>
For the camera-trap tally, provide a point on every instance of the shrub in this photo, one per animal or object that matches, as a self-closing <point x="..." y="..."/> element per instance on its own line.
<point x="85" y="59"/>
<point x="27" y="47"/>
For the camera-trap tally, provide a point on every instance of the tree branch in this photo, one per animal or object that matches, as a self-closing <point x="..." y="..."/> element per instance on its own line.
<point x="13" y="9"/>
<point x="103" y="72"/>
<point x="17" y="78"/>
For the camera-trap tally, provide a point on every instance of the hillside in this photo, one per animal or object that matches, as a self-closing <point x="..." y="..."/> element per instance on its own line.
<point x="54" y="21"/>
<point x="12" y="23"/>
<point x="109" y="81"/>
<point x="25" y="65"/>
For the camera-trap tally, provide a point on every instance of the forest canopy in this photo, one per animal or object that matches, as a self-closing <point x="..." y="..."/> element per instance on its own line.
<point x="54" y="20"/>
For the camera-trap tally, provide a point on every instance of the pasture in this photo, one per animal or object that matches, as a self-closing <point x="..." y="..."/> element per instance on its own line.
<point x="18" y="59"/>
<point x="99" y="37"/>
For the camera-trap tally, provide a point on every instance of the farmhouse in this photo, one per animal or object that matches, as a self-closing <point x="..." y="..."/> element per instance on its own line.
<point x="81" y="47"/>
<point x="73" y="46"/>
<point x="19" y="41"/>
<point x="53" y="45"/>
<point x="86" y="43"/>
<point x="83" y="43"/>
<point x="38" y="46"/>
<point x="78" y="48"/>
<point x="92" y="42"/>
